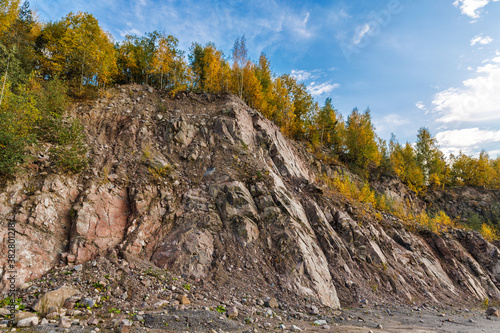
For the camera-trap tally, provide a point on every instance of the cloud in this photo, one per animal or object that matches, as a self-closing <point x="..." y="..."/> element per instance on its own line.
<point x="361" y="32"/>
<point x="389" y="122"/>
<point x="472" y="8"/>
<point x="467" y="140"/>
<point x="302" y="75"/>
<point x="422" y="107"/>
<point x="319" y="89"/>
<point x="479" y="39"/>
<point x="478" y="99"/>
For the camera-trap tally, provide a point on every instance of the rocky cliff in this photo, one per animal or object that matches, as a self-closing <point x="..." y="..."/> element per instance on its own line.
<point x="209" y="189"/>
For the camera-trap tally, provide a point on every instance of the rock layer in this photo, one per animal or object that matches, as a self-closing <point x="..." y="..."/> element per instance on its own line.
<point x="260" y="216"/>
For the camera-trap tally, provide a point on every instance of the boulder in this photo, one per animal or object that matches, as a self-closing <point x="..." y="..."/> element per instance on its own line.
<point x="28" y="322"/>
<point x="54" y="298"/>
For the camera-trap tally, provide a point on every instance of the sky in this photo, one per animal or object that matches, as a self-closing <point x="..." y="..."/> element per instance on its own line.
<point x="414" y="64"/>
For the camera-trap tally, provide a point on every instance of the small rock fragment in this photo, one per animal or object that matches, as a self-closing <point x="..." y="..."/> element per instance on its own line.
<point x="320" y="322"/>
<point x="232" y="312"/>
<point x="313" y="310"/>
<point x="183" y="300"/>
<point x="64" y="322"/>
<point x="492" y="311"/>
<point x="271" y="303"/>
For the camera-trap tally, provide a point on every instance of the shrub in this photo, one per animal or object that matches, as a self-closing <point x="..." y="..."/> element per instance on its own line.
<point x="489" y="232"/>
<point x="18" y="115"/>
<point x="70" y="152"/>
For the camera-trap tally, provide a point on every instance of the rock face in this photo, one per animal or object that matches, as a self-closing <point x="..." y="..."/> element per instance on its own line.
<point x="204" y="186"/>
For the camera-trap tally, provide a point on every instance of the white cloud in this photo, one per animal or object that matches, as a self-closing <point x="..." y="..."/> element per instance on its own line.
<point x="479" y="39"/>
<point x="478" y="99"/>
<point x="361" y="32"/>
<point x="395" y="120"/>
<point x="467" y="137"/>
<point x="467" y="140"/>
<point x="319" y="89"/>
<point x="301" y="75"/>
<point x="422" y="107"/>
<point x="472" y="8"/>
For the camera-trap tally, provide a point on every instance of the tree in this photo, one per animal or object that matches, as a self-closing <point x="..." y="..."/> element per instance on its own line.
<point x="303" y="106"/>
<point x="405" y="165"/>
<point x="252" y="89"/>
<point x="361" y="141"/>
<point x="9" y="10"/>
<point x="264" y="74"/>
<point x="164" y="56"/>
<point x="78" y="50"/>
<point x="135" y="57"/>
<point x="17" y="46"/>
<point x="330" y="127"/>
<point x="283" y="108"/>
<point x="429" y="158"/>
<point x="212" y="72"/>
<point x="18" y="116"/>
<point x="240" y="61"/>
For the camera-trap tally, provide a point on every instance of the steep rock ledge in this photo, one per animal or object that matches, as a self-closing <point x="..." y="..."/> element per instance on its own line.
<point x="204" y="186"/>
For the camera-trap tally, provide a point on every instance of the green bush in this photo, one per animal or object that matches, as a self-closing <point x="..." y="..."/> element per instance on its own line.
<point x="18" y="115"/>
<point x="69" y="154"/>
<point x="11" y="149"/>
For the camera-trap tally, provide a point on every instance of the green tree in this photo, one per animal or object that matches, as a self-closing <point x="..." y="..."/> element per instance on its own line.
<point x="210" y="69"/>
<point x="9" y="10"/>
<point x="169" y="62"/>
<point x="264" y="74"/>
<point x="78" y="50"/>
<point x="18" y="116"/>
<point x="17" y="47"/>
<point x="361" y="141"/>
<point x="429" y="158"/>
<point x="329" y="127"/>
<point x="405" y="165"/>
<point x="283" y="109"/>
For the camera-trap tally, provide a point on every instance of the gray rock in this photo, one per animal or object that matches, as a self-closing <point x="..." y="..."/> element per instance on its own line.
<point x="269" y="313"/>
<point x="24" y="315"/>
<point x="64" y="322"/>
<point x="54" y="298"/>
<point x="295" y="328"/>
<point x="126" y="322"/>
<point x="320" y="322"/>
<point x="28" y="322"/>
<point x="209" y="172"/>
<point x="313" y="310"/>
<point x="137" y="318"/>
<point x="271" y="303"/>
<point x="492" y="311"/>
<point x="88" y="302"/>
<point x="232" y="312"/>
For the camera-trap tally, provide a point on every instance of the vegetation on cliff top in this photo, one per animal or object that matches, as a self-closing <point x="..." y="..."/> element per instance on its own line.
<point x="43" y="66"/>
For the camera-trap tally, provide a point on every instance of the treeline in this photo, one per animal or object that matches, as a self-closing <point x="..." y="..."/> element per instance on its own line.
<point x="44" y="64"/>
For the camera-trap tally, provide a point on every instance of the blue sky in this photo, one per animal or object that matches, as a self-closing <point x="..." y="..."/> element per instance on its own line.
<point x="425" y="63"/>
